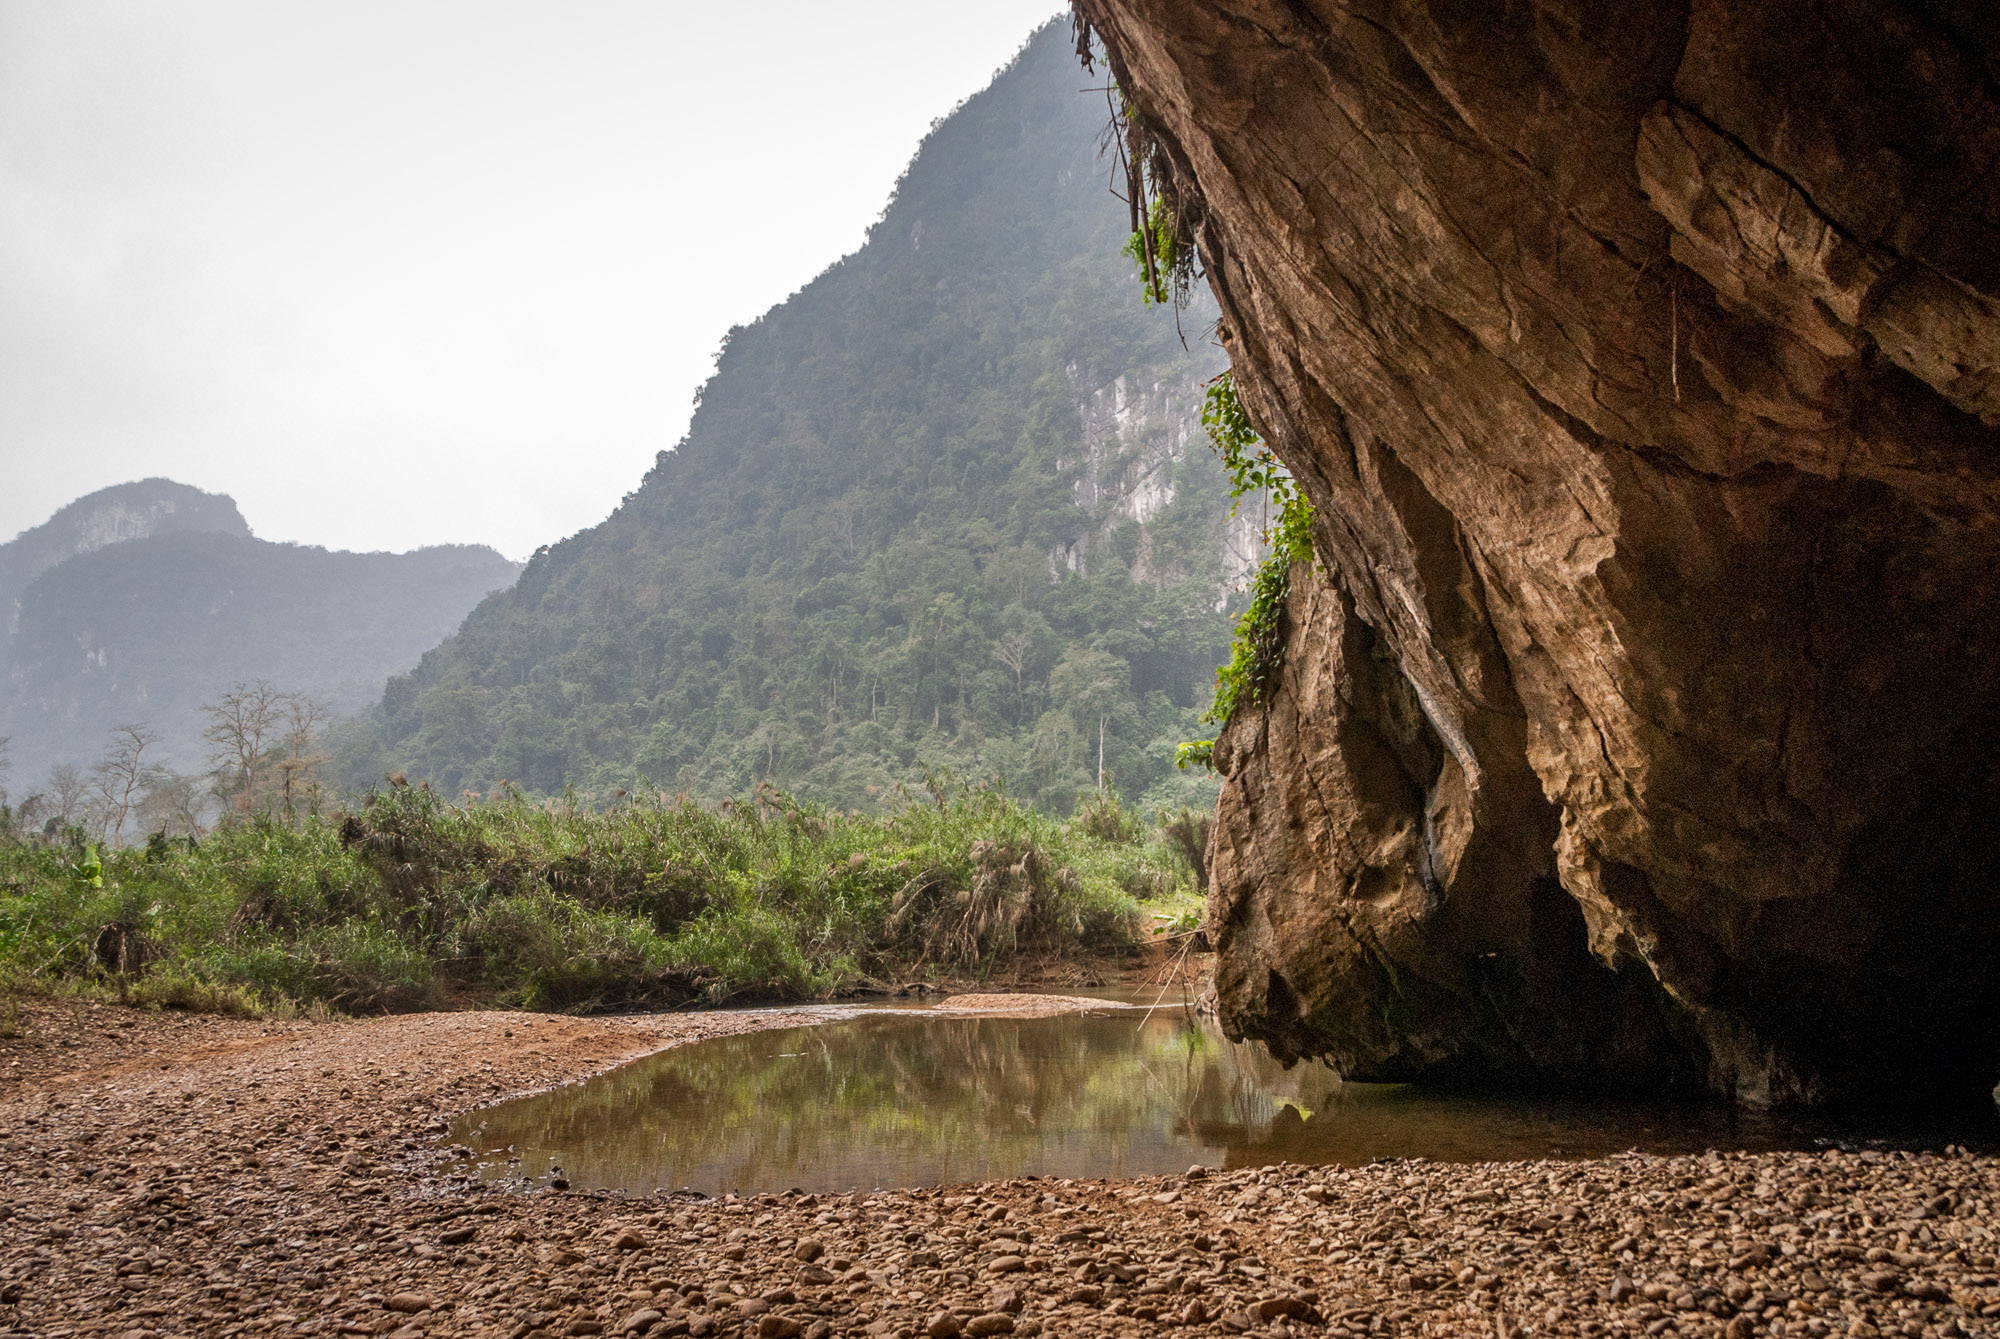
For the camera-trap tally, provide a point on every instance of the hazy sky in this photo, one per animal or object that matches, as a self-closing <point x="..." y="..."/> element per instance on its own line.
<point x="405" y="273"/>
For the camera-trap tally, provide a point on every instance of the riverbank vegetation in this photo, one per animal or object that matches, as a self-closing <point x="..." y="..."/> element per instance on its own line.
<point x="409" y="901"/>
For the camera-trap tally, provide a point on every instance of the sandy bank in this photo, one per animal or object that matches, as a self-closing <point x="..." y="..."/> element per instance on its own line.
<point x="1024" y="1006"/>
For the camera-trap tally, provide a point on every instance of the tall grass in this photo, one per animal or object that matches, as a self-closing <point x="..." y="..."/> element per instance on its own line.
<point x="409" y="901"/>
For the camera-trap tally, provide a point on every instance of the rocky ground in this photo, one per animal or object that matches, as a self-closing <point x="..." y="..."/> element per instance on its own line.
<point x="176" y="1176"/>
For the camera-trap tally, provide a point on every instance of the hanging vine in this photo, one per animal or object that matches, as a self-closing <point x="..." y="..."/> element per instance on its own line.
<point x="1256" y="651"/>
<point x="1166" y="219"/>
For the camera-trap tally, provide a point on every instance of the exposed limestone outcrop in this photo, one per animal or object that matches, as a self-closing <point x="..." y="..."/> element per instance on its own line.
<point x="1136" y="436"/>
<point x="1641" y="362"/>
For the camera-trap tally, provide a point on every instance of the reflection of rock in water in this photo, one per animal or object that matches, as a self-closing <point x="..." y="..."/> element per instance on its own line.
<point x="1205" y="1003"/>
<point x="902" y="1100"/>
<point x="1285" y="1139"/>
<point x="1286" y="1136"/>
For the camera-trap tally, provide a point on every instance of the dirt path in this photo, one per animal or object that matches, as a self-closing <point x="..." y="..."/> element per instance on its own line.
<point x="212" y="1177"/>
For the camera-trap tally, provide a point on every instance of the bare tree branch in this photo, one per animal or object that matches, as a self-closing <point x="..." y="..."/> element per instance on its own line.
<point x="67" y="792"/>
<point x="123" y="773"/>
<point x="175" y="805"/>
<point x="303" y="718"/>
<point x="240" y="727"/>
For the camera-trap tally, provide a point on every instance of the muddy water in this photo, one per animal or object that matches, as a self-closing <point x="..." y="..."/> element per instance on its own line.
<point x="901" y="1098"/>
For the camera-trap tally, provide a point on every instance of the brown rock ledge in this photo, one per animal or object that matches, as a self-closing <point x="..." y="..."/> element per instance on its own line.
<point x="297" y="1187"/>
<point x="1642" y="362"/>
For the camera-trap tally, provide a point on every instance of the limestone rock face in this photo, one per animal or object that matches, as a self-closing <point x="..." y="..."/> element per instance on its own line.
<point x="1643" y="364"/>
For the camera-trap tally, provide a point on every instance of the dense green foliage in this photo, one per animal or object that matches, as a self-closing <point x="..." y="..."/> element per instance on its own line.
<point x="889" y="540"/>
<point x="1258" y="645"/>
<point x="1255" y="471"/>
<point x="410" y="901"/>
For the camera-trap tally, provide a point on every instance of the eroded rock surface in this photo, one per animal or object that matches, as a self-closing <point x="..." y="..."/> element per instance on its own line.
<point x="1640" y="361"/>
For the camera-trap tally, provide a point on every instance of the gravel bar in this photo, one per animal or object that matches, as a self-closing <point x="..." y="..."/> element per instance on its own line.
<point x="195" y="1176"/>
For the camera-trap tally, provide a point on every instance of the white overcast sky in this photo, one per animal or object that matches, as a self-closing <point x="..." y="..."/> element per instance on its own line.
<point x="428" y="271"/>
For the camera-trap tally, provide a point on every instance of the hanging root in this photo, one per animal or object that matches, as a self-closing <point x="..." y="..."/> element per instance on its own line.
<point x="1166" y="215"/>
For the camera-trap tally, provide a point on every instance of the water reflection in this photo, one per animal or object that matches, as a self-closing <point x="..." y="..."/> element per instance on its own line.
<point x="899" y="1100"/>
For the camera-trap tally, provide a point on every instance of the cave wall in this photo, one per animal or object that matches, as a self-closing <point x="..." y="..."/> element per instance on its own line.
<point x="1637" y="728"/>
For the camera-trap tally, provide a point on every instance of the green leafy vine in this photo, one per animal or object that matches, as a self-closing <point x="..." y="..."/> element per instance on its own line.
<point x="1257" y="650"/>
<point x="1166" y="217"/>
<point x="1153" y="248"/>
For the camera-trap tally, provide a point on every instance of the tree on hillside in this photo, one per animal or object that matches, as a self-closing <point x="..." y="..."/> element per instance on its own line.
<point x="122" y="774"/>
<point x="1012" y="650"/>
<point x="1091" y="685"/>
<point x="29" y="814"/>
<point x="67" y="796"/>
<point x="1052" y="754"/>
<point x="175" y="805"/>
<point x="242" y="725"/>
<point x="300" y="719"/>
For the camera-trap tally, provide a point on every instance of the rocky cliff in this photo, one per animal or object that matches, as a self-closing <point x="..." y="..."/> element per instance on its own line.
<point x="1128" y="468"/>
<point x="1640" y="362"/>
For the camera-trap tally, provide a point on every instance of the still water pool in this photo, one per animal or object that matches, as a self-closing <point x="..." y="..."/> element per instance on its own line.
<point x="894" y="1098"/>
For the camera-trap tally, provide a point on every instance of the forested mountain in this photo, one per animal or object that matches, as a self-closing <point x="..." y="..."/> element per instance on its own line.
<point x="950" y="504"/>
<point x="152" y="599"/>
<point x="109" y="516"/>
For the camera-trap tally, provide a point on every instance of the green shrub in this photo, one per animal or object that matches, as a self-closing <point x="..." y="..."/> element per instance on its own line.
<point x="1102" y="816"/>
<point x="750" y="949"/>
<point x="544" y="951"/>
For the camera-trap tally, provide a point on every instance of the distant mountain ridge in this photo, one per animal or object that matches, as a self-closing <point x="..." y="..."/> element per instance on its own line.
<point x="111" y="515"/>
<point x="142" y="602"/>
